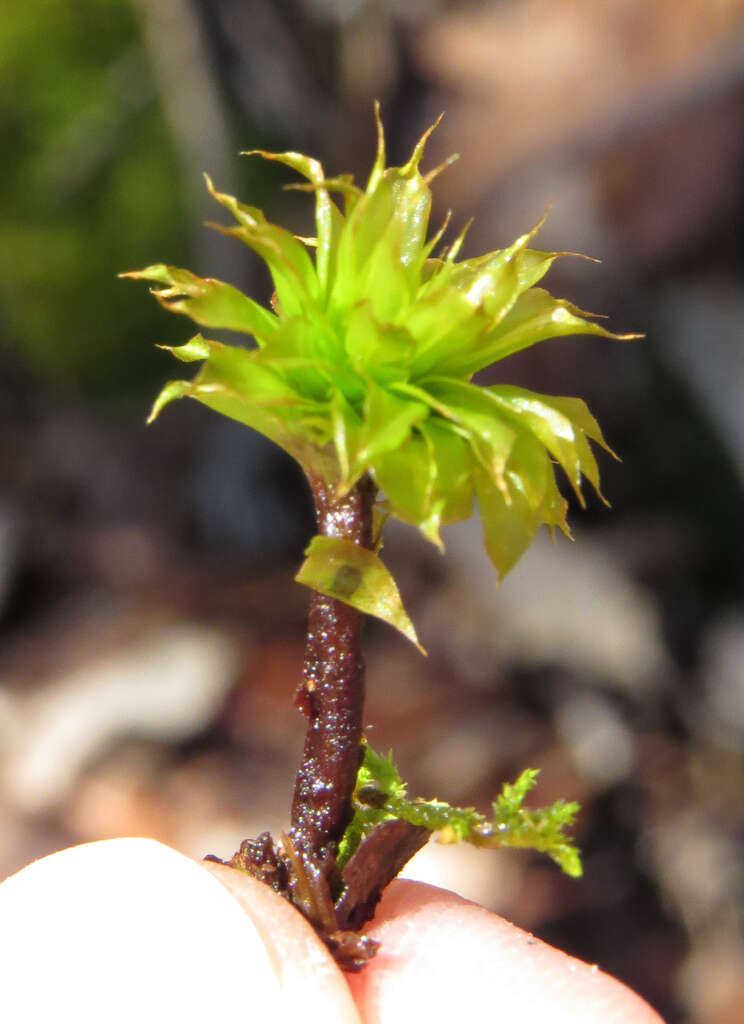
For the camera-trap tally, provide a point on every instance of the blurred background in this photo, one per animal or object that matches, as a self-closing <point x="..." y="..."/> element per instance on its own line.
<point x="151" y="633"/>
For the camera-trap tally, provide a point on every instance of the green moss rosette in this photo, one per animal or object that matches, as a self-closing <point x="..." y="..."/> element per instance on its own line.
<point x="364" y="363"/>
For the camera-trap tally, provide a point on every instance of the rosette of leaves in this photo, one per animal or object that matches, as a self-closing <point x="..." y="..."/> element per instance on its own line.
<point x="364" y="365"/>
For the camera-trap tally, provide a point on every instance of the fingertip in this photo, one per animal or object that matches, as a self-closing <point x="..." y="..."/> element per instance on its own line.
<point x="124" y="929"/>
<point x="312" y="984"/>
<point x="443" y="955"/>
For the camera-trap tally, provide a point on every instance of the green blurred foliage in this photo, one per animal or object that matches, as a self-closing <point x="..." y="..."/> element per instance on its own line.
<point x="90" y="186"/>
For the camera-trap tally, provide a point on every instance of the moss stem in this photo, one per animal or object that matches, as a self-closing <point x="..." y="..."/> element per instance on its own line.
<point x="331" y="694"/>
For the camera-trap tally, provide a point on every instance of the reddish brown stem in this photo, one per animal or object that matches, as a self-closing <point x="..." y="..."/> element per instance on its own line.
<point x="304" y="867"/>
<point x="331" y="694"/>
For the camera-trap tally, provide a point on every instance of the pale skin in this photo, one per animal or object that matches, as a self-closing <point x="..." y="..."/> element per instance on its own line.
<point x="134" y="918"/>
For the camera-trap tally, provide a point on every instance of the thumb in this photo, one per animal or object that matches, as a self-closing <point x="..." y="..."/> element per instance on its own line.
<point x="128" y="929"/>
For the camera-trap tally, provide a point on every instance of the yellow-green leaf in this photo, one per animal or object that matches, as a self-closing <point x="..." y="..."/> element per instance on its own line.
<point x="341" y="569"/>
<point x="207" y="301"/>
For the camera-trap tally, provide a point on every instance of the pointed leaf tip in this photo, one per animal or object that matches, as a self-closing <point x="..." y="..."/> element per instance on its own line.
<point x="411" y="166"/>
<point x="431" y="175"/>
<point x="378" y="167"/>
<point x="173" y="389"/>
<point x="194" y="351"/>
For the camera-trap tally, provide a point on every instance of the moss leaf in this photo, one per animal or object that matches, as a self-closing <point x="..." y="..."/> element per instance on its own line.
<point x="207" y="301"/>
<point x="341" y="569"/>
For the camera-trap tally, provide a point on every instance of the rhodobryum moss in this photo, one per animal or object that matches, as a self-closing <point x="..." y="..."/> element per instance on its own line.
<point x="362" y="371"/>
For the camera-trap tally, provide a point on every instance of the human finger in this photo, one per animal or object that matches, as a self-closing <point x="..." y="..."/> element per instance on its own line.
<point x="307" y="972"/>
<point x="444" y="958"/>
<point x="128" y="929"/>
